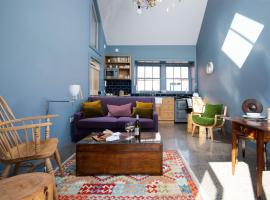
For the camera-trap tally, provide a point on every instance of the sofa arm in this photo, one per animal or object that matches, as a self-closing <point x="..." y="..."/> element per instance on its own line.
<point x="78" y="116"/>
<point x="155" y="119"/>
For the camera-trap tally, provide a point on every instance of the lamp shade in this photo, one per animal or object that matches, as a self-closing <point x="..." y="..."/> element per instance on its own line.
<point x="75" y="92"/>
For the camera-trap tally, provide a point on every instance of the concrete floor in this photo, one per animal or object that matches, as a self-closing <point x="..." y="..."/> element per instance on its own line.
<point x="209" y="161"/>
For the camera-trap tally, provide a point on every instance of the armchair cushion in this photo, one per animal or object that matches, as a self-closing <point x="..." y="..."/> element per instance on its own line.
<point x="205" y="121"/>
<point x="212" y="109"/>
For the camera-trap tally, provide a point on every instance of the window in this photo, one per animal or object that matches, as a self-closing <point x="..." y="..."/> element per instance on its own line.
<point x="177" y="78"/>
<point x="241" y="38"/>
<point x="94" y="29"/>
<point x="148" y="78"/>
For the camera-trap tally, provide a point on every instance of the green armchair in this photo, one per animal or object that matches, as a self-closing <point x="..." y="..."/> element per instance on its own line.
<point x="213" y="117"/>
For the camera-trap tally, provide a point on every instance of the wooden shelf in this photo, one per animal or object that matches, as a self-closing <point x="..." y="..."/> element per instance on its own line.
<point x="122" y="64"/>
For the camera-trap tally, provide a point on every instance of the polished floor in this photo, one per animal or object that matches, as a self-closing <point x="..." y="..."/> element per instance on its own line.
<point x="210" y="163"/>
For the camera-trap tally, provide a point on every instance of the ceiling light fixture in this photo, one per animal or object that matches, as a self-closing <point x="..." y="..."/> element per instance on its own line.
<point x="145" y="4"/>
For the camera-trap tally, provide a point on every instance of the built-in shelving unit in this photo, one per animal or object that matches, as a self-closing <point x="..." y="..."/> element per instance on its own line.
<point x="118" y="67"/>
<point x="118" y="74"/>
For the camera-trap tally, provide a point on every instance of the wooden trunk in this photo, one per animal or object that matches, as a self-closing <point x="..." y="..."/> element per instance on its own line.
<point x="118" y="159"/>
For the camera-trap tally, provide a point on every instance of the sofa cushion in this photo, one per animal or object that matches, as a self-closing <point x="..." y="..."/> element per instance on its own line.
<point x="98" y="123"/>
<point x="120" y="111"/>
<point x="143" y="104"/>
<point x="143" y="112"/>
<point x="145" y="123"/>
<point x="92" y="109"/>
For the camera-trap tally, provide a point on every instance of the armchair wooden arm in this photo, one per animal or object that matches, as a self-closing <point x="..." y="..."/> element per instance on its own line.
<point x="194" y="113"/>
<point x="217" y="117"/>
<point x="28" y="119"/>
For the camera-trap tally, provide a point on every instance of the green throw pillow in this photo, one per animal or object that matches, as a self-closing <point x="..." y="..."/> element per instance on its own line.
<point x="143" y="112"/>
<point x="212" y="109"/>
<point x="92" y="109"/>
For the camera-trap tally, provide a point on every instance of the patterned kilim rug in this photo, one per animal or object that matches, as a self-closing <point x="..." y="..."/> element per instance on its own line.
<point x="176" y="183"/>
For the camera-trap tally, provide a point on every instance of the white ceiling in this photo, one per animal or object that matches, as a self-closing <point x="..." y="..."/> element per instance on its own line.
<point x="171" y="22"/>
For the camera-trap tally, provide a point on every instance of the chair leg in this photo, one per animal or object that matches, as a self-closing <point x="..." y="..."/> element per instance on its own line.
<point x="211" y="133"/>
<point x="223" y="130"/>
<point x="59" y="162"/>
<point x="50" y="171"/>
<point x="48" y="165"/>
<point x="6" y="170"/>
<point x="16" y="168"/>
<point x="193" y="129"/>
<point x="265" y="156"/>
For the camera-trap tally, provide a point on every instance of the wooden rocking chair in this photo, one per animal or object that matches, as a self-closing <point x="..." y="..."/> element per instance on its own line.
<point x="26" y="139"/>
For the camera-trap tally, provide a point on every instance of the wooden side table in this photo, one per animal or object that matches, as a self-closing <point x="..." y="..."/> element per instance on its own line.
<point x="28" y="186"/>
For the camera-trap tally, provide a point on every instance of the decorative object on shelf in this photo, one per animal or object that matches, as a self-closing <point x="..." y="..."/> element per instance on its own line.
<point x="209" y="68"/>
<point x="75" y="92"/>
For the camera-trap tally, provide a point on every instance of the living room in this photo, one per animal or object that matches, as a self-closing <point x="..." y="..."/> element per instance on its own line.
<point x="176" y="56"/>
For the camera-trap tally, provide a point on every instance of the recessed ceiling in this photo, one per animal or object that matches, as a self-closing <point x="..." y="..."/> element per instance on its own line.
<point x="171" y="22"/>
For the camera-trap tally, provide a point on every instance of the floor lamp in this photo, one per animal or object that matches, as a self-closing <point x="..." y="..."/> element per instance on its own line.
<point x="75" y="92"/>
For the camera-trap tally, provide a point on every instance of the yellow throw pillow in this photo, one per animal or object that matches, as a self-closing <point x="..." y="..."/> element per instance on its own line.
<point x="92" y="109"/>
<point x="144" y="105"/>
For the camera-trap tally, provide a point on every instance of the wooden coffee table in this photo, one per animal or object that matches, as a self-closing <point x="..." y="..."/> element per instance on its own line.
<point x="120" y="157"/>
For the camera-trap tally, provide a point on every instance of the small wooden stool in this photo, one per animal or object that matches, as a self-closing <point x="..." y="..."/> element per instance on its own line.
<point x="28" y="186"/>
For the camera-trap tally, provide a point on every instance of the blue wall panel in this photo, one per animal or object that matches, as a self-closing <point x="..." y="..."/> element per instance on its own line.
<point x="45" y="48"/>
<point x="230" y="84"/>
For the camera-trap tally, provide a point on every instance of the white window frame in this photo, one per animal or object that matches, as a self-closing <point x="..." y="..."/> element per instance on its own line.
<point x="179" y="79"/>
<point x="94" y="37"/>
<point x="144" y="79"/>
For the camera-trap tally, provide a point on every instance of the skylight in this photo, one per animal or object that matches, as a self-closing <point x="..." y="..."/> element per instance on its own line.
<point x="241" y="38"/>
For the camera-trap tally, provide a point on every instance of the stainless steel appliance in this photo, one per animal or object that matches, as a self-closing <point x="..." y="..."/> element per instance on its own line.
<point x="180" y="110"/>
<point x="112" y="73"/>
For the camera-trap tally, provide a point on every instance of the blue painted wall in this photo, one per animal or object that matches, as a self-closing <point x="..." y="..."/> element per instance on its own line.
<point x="228" y="83"/>
<point x="155" y="52"/>
<point x="44" y="47"/>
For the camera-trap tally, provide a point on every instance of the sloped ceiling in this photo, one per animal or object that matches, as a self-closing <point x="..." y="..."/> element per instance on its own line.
<point x="171" y="22"/>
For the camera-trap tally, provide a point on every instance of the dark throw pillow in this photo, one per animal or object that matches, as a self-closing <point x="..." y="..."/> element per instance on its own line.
<point x="92" y="109"/>
<point x="143" y="112"/>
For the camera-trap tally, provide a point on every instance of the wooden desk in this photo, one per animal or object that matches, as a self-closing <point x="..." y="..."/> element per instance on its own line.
<point x="256" y="130"/>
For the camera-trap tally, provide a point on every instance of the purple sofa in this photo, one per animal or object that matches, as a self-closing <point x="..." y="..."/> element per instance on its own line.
<point x="84" y="126"/>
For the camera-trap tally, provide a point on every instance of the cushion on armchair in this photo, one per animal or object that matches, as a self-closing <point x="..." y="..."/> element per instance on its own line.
<point x="212" y="109"/>
<point x="205" y="121"/>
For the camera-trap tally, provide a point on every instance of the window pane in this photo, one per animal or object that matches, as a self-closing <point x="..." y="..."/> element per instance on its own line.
<point x="148" y="85"/>
<point x="156" y="85"/>
<point x="177" y="73"/>
<point x="148" y="72"/>
<point x="177" y="85"/>
<point x="94" y="30"/>
<point x="169" y="72"/>
<point x="185" y="85"/>
<point x="169" y="84"/>
<point x="140" y="85"/>
<point x="156" y="72"/>
<point x="184" y="72"/>
<point x="140" y="72"/>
